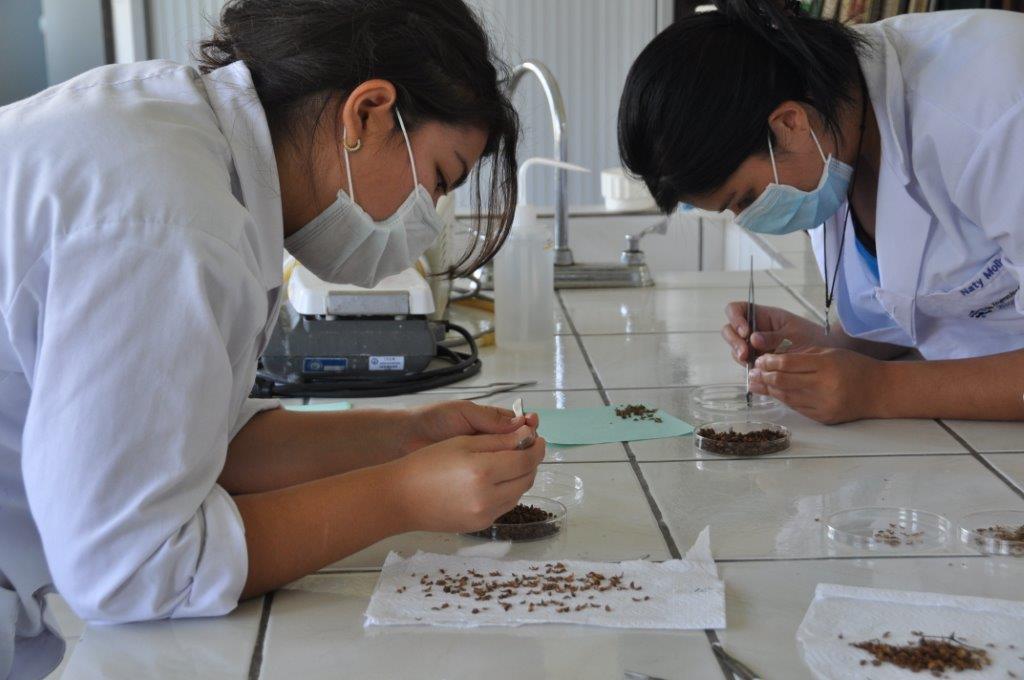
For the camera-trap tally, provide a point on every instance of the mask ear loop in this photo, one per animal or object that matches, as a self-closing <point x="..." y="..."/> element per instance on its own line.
<point x="817" y="144"/>
<point x="408" y="147"/>
<point x="771" y="154"/>
<point x="348" y="168"/>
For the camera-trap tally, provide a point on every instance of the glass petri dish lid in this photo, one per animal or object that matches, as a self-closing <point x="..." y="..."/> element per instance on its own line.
<point x="727" y="401"/>
<point x="889" y="529"/>
<point x="741" y="438"/>
<point x="566" y="488"/>
<point x="994" y="532"/>
<point x="518" y="532"/>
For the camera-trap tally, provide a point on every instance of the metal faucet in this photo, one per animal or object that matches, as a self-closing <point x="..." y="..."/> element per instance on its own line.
<point x="556" y="106"/>
<point x="632" y="271"/>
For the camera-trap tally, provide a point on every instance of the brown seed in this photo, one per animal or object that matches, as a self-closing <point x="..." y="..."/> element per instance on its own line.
<point x="637" y="412"/>
<point x="930" y="653"/>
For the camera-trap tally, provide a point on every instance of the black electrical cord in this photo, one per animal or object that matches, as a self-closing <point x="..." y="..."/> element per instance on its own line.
<point x="462" y="365"/>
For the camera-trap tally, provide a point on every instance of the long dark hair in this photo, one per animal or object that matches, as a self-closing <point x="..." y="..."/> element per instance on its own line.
<point x="697" y="99"/>
<point x="305" y="55"/>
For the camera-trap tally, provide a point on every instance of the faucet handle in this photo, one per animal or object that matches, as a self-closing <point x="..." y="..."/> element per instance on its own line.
<point x="633" y="240"/>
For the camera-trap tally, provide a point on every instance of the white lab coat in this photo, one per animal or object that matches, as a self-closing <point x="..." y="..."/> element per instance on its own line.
<point x="948" y="91"/>
<point x="140" y="267"/>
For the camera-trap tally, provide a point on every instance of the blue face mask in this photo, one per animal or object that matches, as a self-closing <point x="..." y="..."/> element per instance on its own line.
<point x="782" y="209"/>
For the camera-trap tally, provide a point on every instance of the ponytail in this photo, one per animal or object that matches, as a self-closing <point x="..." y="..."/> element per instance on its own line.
<point x="697" y="99"/>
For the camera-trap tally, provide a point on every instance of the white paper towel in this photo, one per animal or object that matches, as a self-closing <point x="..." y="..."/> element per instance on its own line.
<point x="676" y="594"/>
<point x="860" y="614"/>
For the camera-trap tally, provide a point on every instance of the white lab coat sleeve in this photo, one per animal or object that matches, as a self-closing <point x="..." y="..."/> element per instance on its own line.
<point x="989" y="190"/>
<point x="128" y="423"/>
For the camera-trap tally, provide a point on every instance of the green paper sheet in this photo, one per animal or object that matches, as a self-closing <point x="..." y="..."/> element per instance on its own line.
<point x="600" y="425"/>
<point x="320" y="408"/>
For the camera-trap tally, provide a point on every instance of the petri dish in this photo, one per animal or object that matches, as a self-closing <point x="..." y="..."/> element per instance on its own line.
<point x="732" y="438"/>
<point x="994" y="532"/>
<point x="565" y="488"/>
<point x="527" y="531"/>
<point x="729" y="402"/>
<point x="892" y="529"/>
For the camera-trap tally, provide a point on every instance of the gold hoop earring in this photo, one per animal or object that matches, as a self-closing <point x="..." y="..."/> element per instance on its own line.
<point x="355" y="147"/>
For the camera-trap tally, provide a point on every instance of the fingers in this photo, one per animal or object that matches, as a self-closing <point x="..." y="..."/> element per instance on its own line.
<point x="509" y="493"/>
<point x="737" y="344"/>
<point x="798" y="362"/>
<point x="766" y="341"/>
<point x="785" y="381"/>
<point x="497" y="442"/>
<point x="503" y="466"/>
<point x="736" y="313"/>
<point x="490" y="419"/>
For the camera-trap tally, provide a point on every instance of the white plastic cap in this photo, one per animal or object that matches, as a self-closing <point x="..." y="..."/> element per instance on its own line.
<point x="624" y="192"/>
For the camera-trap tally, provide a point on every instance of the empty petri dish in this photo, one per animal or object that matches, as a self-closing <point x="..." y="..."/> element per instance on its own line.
<point x="727" y="402"/>
<point x="510" y="527"/>
<point x="741" y="438"/>
<point x="994" y="532"/>
<point x="880" y="528"/>
<point x="565" y="488"/>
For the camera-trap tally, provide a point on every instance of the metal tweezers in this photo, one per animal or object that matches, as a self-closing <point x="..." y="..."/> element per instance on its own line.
<point x="752" y="328"/>
<point x="738" y="669"/>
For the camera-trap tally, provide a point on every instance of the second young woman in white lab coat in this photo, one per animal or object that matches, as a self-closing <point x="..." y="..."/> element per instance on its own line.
<point x="900" y="146"/>
<point x="144" y="212"/>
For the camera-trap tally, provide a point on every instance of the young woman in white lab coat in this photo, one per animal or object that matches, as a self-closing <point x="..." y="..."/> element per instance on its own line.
<point x="144" y="213"/>
<point x="900" y="146"/>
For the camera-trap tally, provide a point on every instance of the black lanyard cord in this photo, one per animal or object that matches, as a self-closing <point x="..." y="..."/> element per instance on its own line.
<point x="831" y="290"/>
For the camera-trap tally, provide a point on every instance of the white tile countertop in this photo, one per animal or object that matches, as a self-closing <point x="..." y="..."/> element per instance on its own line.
<point x="646" y="499"/>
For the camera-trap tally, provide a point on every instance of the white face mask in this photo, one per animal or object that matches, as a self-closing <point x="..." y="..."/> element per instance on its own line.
<point x="345" y="245"/>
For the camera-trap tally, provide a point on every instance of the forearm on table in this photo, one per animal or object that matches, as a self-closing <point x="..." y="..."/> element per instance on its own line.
<point x="281" y="448"/>
<point x="985" y="388"/>
<point x="292" y="532"/>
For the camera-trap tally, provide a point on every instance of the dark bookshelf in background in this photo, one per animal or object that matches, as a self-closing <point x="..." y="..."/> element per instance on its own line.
<point x="864" y="11"/>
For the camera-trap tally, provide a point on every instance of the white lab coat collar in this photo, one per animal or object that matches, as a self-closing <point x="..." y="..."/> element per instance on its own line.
<point x="901" y="239"/>
<point x="244" y="124"/>
<point x="880" y="65"/>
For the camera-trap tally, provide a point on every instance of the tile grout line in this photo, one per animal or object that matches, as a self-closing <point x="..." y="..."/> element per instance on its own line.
<point x="810" y="457"/>
<point x="666" y="534"/>
<point x="775" y="457"/>
<point x="745" y="560"/>
<point x="256" y="662"/>
<point x="981" y="458"/>
<point x="850" y="558"/>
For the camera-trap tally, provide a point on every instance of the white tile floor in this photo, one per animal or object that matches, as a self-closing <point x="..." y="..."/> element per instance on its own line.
<point x="650" y="498"/>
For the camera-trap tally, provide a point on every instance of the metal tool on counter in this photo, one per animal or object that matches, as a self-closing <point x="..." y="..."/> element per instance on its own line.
<point x="633" y="675"/>
<point x="737" y="668"/>
<point x="499" y="388"/>
<point x="752" y="328"/>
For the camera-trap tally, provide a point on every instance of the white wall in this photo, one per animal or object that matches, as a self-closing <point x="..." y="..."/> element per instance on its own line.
<point x="176" y="26"/>
<point x="588" y="44"/>
<point x="73" y="37"/>
<point x="22" y="59"/>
